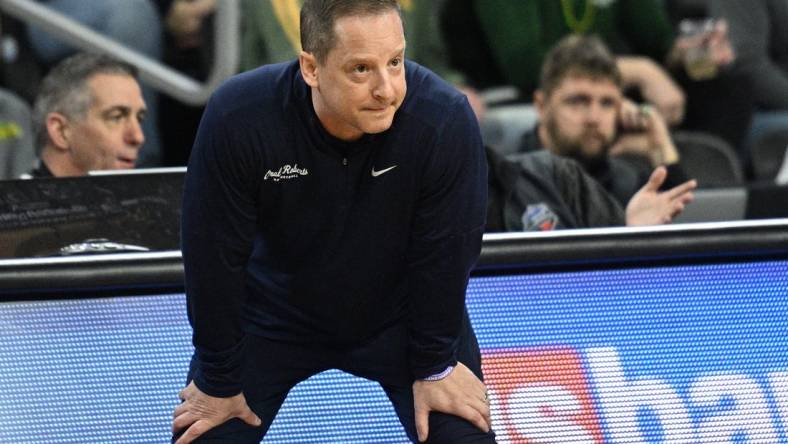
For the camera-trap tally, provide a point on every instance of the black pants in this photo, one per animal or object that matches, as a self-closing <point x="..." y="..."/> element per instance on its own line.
<point x="272" y="368"/>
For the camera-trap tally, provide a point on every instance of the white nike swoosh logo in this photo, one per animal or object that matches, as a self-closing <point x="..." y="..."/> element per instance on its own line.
<point x="378" y="173"/>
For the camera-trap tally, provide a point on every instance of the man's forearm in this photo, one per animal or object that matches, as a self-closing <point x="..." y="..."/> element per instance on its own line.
<point x="636" y="70"/>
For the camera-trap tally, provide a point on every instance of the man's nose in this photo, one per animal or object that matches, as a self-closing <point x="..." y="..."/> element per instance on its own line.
<point x="383" y="90"/>
<point x="594" y="113"/>
<point x="134" y="134"/>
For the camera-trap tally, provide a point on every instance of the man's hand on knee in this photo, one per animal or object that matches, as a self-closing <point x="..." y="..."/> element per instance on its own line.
<point x="200" y="413"/>
<point x="460" y="393"/>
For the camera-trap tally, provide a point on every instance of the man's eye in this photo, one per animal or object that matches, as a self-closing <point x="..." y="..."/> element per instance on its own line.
<point x="578" y="100"/>
<point x="396" y="62"/>
<point x="360" y="69"/>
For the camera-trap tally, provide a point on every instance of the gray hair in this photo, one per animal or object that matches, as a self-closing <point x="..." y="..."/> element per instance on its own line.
<point x="65" y="89"/>
<point x="318" y="18"/>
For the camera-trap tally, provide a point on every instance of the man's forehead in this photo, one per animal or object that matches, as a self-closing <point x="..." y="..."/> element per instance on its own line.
<point x="110" y="89"/>
<point x="598" y="84"/>
<point x="367" y="32"/>
<point x="109" y="77"/>
<point x="362" y="20"/>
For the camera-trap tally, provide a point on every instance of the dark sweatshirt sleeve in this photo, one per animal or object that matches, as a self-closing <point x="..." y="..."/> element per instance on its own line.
<point x="445" y="240"/>
<point x="218" y="225"/>
<point x="591" y="205"/>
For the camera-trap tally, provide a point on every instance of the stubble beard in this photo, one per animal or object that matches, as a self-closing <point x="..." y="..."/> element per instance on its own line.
<point x="574" y="148"/>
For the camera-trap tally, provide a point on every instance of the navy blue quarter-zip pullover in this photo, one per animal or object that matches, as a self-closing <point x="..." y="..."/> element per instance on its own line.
<point x="293" y="235"/>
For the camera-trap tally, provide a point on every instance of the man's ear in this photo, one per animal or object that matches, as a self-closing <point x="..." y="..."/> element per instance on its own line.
<point x="309" y="68"/>
<point x="59" y="131"/>
<point x="539" y="102"/>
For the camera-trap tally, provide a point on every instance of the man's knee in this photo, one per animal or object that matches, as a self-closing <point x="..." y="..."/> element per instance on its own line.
<point x="233" y="431"/>
<point x="450" y="429"/>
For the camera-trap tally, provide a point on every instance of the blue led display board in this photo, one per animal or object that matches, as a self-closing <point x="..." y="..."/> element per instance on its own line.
<point x="673" y="354"/>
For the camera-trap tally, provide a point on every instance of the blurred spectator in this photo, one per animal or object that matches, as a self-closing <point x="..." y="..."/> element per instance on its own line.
<point x="540" y="191"/>
<point x="20" y="70"/>
<point x="134" y="23"/>
<point x="425" y="46"/>
<point x="760" y="38"/>
<point x="270" y="32"/>
<point x="16" y="140"/>
<point x="88" y="116"/>
<point x="582" y="115"/>
<point x="502" y="42"/>
<point x="188" y="47"/>
<point x="185" y="20"/>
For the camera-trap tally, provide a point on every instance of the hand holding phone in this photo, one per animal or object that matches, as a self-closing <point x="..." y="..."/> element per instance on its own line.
<point x="643" y="131"/>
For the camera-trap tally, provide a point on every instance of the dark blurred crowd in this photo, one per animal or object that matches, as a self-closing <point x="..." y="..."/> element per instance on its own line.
<point x="704" y="83"/>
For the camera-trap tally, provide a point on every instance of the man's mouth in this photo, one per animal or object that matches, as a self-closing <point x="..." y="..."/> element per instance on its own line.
<point x="594" y="141"/>
<point x="594" y="135"/>
<point x="127" y="162"/>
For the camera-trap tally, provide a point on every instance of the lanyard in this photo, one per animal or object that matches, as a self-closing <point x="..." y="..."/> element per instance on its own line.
<point x="582" y="25"/>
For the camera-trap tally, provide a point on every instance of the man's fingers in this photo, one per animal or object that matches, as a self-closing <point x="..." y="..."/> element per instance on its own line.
<point x="678" y="190"/>
<point x="195" y="431"/>
<point x="180" y="409"/>
<point x="479" y="387"/>
<point x="461" y="393"/>
<point x="676" y="114"/>
<point x="476" y="416"/>
<point x="482" y="406"/>
<point x="201" y="412"/>
<point x="480" y="402"/>
<point x="250" y="418"/>
<point x="677" y="209"/>
<point x="656" y="179"/>
<point x="686" y="198"/>
<point x="629" y="118"/>
<point x="186" y="392"/>
<point x="183" y="421"/>
<point x="476" y="411"/>
<point x="422" y="423"/>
